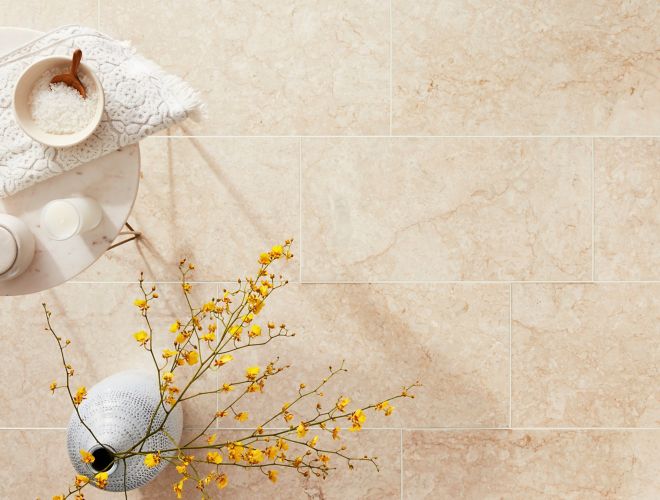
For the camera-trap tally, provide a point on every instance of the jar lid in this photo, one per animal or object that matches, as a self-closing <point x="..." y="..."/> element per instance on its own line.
<point x="8" y="250"/>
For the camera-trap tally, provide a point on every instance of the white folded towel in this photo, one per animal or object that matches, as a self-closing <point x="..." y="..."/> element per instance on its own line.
<point x="140" y="99"/>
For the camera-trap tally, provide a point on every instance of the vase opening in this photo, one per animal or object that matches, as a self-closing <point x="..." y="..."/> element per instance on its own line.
<point x="104" y="459"/>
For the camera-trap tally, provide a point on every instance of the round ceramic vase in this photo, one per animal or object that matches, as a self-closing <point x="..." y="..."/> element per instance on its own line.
<point x="118" y="411"/>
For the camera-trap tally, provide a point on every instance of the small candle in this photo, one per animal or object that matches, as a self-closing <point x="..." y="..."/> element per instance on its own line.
<point x="8" y="250"/>
<point x="63" y="219"/>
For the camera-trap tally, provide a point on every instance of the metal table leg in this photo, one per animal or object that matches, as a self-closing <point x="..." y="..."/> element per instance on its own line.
<point x="134" y="235"/>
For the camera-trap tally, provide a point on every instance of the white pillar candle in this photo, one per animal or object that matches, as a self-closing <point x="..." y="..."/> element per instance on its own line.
<point x="8" y="250"/>
<point x="63" y="219"/>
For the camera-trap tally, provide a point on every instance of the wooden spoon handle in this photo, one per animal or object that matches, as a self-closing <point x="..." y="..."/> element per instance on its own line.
<point x="75" y="62"/>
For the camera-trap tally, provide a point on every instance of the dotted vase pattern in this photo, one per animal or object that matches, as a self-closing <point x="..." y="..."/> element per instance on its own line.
<point x="141" y="99"/>
<point x="118" y="411"/>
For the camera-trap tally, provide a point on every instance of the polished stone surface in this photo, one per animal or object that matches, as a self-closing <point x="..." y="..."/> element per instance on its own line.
<point x="556" y="68"/>
<point x="515" y="275"/>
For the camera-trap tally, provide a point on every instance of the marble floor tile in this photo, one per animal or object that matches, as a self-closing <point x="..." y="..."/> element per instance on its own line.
<point x="454" y="339"/>
<point x="40" y="455"/>
<point x="218" y="202"/>
<point x="586" y="355"/>
<point x="45" y="15"/>
<point x="446" y="209"/>
<point x="502" y="68"/>
<point x="100" y="320"/>
<point x="520" y="465"/>
<point x="627" y="188"/>
<point x="270" y="68"/>
<point x="435" y="238"/>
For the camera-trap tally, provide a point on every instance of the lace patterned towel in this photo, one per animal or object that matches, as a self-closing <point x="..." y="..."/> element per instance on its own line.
<point x="140" y="99"/>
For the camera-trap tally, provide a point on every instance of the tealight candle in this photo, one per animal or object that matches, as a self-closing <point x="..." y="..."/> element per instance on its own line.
<point x="63" y="219"/>
<point x="8" y="250"/>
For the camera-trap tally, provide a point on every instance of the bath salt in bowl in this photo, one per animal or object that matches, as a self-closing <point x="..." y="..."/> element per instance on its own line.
<point x="59" y="109"/>
<point x="56" y="114"/>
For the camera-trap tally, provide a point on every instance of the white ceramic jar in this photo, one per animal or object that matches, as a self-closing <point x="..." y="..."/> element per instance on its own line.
<point x="16" y="247"/>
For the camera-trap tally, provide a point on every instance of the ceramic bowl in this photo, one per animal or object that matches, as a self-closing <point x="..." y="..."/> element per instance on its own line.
<point x="22" y="91"/>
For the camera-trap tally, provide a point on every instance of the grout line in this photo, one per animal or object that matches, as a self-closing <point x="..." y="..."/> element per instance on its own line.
<point x="549" y="429"/>
<point x="391" y="73"/>
<point x="66" y="428"/>
<point x="33" y="428"/>
<point x="389" y="282"/>
<point x="593" y="211"/>
<point x="401" y="464"/>
<point x="510" y="355"/>
<point x="474" y="282"/>
<point x="300" y="213"/>
<point x="158" y="282"/>
<point x="404" y="136"/>
<point x="399" y="429"/>
<point x="217" y="372"/>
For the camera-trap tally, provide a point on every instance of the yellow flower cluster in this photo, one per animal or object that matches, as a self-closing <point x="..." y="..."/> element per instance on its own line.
<point x="152" y="459"/>
<point x="210" y="338"/>
<point x="81" y="394"/>
<point x="357" y="418"/>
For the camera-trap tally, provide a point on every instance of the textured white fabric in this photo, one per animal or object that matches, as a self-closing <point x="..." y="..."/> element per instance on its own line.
<point x="118" y="411"/>
<point x="140" y="99"/>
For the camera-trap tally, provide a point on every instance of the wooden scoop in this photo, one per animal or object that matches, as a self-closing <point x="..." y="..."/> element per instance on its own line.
<point x="71" y="78"/>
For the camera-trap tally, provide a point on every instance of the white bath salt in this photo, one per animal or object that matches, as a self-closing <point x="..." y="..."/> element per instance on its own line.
<point x="60" y="109"/>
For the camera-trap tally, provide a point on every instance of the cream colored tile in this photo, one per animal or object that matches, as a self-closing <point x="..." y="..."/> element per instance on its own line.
<point x="46" y="15"/>
<point x="219" y="202"/>
<point x="586" y="355"/>
<point x="627" y="184"/>
<point x="270" y="68"/>
<point x="446" y="209"/>
<point x="99" y="319"/>
<point x="453" y="338"/>
<point x="491" y="68"/>
<point x="521" y="465"/>
<point x="41" y="455"/>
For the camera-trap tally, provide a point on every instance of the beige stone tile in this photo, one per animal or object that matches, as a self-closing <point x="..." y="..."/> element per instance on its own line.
<point x="453" y="338"/>
<point x="446" y="209"/>
<point x="521" y="465"/>
<point x="490" y="68"/>
<point x="270" y="68"/>
<point x="586" y="355"/>
<point x="41" y="455"/>
<point x="627" y="187"/>
<point x="45" y="15"/>
<point x="219" y="202"/>
<point x="99" y="319"/>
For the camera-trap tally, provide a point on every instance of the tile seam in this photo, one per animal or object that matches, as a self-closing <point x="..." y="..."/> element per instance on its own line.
<point x="593" y="211"/>
<point x="300" y="209"/>
<point x="218" y="293"/>
<point x="388" y="282"/>
<point x="398" y="429"/>
<point x="510" y="354"/>
<point x="294" y="136"/>
<point x="401" y="464"/>
<point x="391" y="83"/>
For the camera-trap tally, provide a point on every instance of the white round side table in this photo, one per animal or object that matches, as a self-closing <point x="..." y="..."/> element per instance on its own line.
<point x="111" y="180"/>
